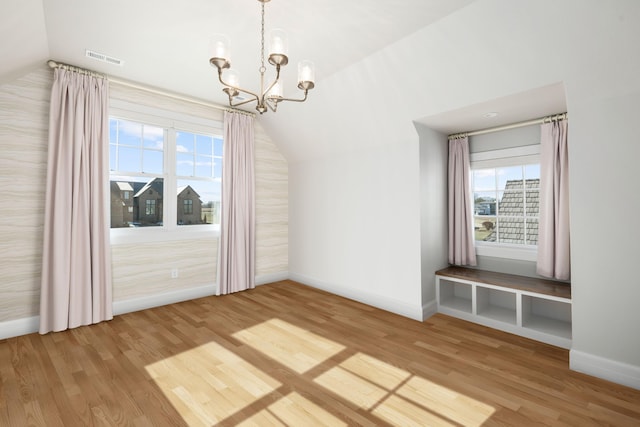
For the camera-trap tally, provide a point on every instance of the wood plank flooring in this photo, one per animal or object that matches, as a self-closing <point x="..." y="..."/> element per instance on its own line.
<point x="288" y="355"/>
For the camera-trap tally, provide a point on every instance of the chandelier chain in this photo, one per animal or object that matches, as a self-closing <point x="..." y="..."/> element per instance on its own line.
<point x="262" y="67"/>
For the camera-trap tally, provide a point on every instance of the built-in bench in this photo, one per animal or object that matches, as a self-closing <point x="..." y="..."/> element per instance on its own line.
<point x="536" y="308"/>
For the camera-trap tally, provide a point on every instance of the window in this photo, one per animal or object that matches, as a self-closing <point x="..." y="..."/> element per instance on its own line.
<point x="198" y="166"/>
<point x="506" y="186"/>
<point x="150" y="207"/>
<point x="188" y="207"/>
<point x="153" y="157"/>
<point x="136" y="159"/>
<point x="506" y="204"/>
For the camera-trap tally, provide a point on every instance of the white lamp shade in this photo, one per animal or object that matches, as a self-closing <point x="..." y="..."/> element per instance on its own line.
<point x="219" y="47"/>
<point x="277" y="90"/>
<point x="306" y="71"/>
<point x="278" y="42"/>
<point x="232" y="78"/>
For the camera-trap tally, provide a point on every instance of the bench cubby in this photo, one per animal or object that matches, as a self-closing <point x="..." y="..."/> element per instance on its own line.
<point x="535" y="308"/>
<point x="456" y="295"/>
<point x="496" y="304"/>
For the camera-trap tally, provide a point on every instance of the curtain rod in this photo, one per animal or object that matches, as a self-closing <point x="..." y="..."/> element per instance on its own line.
<point x="54" y="64"/>
<point x="552" y="118"/>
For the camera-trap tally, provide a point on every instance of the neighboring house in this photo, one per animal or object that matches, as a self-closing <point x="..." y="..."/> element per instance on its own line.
<point x="511" y="213"/>
<point x="147" y="203"/>
<point x="121" y="204"/>
<point x="485" y="208"/>
<point x="189" y="206"/>
<point x="138" y="204"/>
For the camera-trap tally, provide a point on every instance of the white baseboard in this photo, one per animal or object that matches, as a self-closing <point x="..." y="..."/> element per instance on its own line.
<point x="28" y="325"/>
<point x="263" y="279"/>
<point x="429" y="309"/>
<point x="17" y="327"/>
<point x="378" y="301"/>
<point x="611" y="370"/>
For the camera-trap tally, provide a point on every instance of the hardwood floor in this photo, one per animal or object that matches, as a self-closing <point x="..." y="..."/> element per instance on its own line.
<point x="286" y="354"/>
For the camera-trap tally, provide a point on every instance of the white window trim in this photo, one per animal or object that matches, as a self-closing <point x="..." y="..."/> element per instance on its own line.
<point x="170" y="230"/>
<point x="525" y="155"/>
<point x="497" y="250"/>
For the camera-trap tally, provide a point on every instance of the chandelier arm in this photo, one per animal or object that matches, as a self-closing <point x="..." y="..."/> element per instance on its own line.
<point x="258" y="100"/>
<point x="270" y="87"/>
<point x="273" y="105"/>
<point x="294" y="100"/>
<point x="239" y="89"/>
<point x="246" y="101"/>
<point x="273" y="83"/>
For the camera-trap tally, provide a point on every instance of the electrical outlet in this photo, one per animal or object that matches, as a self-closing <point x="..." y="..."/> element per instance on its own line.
<point x="174" y="273"/>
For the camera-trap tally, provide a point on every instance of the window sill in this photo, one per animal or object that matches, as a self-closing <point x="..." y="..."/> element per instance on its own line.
<point x="507" y="251"/>
<point x="124" y="236"/>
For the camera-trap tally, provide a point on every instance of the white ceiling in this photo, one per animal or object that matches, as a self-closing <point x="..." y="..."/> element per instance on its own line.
<point x="523" y="106"/>
<point x="164" y="43"/>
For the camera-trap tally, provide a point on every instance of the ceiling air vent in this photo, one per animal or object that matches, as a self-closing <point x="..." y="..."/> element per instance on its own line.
<point x="104" y="58"/>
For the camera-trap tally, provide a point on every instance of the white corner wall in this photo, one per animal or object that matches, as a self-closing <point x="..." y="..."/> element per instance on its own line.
<point x="354" y="226"/>
<point x="603" y="156"/>
<point x="434" y="149"/>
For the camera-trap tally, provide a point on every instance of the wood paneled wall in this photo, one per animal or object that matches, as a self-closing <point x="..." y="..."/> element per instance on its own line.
<point x="24" y="116"/>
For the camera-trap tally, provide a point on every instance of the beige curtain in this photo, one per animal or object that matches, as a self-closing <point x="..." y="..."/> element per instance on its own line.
<point x="236" y="260"/>
<point x="553" y="229"/>
<point x="461" y="248"/>
<point x="76" y="266"/>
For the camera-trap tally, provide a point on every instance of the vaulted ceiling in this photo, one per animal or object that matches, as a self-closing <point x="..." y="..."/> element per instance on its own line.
<point x="381" y="65"/>
<point x="164" y="43"/>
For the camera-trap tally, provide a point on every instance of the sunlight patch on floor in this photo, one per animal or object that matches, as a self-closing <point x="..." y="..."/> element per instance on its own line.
<point x="296" y="348"/>
<point x="362" y="380"/>
<point x="209" y="383"/>
<point x="427" y="397"/>
<point x="400" y="398"/>
<point x="293" y="410"/>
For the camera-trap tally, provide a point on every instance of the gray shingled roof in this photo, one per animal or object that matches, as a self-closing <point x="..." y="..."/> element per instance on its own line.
<point x="512" y="204"/>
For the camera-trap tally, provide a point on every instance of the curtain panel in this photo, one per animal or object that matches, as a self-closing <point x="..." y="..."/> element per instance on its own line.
<point x="461" y="248"/>
<point x="76" y="286"/>
<point x="236" y="260"/>
<point x="553" y="230"/>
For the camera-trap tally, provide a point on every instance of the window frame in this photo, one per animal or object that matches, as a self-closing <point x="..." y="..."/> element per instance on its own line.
<point x="517" y="156"/>
<point x="171" y="122"/>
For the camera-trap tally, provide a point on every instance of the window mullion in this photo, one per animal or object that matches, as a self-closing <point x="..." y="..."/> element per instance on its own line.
<point x="524" y="205"/>
<point x="141" y="148"/>
<point x="170" y="188"/>
<point x="497" y="201"/>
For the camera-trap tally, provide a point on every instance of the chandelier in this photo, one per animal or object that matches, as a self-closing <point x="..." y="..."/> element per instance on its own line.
<point x="272" y="94"/>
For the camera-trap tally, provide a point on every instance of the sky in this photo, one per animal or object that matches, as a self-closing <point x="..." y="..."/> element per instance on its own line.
<point x="137" y="148"/>
<point x="496" y="178"/>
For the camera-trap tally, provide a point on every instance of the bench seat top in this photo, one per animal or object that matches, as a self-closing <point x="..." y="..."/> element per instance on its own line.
<point x="513" y="281"/>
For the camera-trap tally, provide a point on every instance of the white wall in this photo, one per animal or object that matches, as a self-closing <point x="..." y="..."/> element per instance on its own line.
<point x="489" y="50"/>
<point x="605" y="202"/>
<point x="354" y="226"/>
<point x="434" y="149"/>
